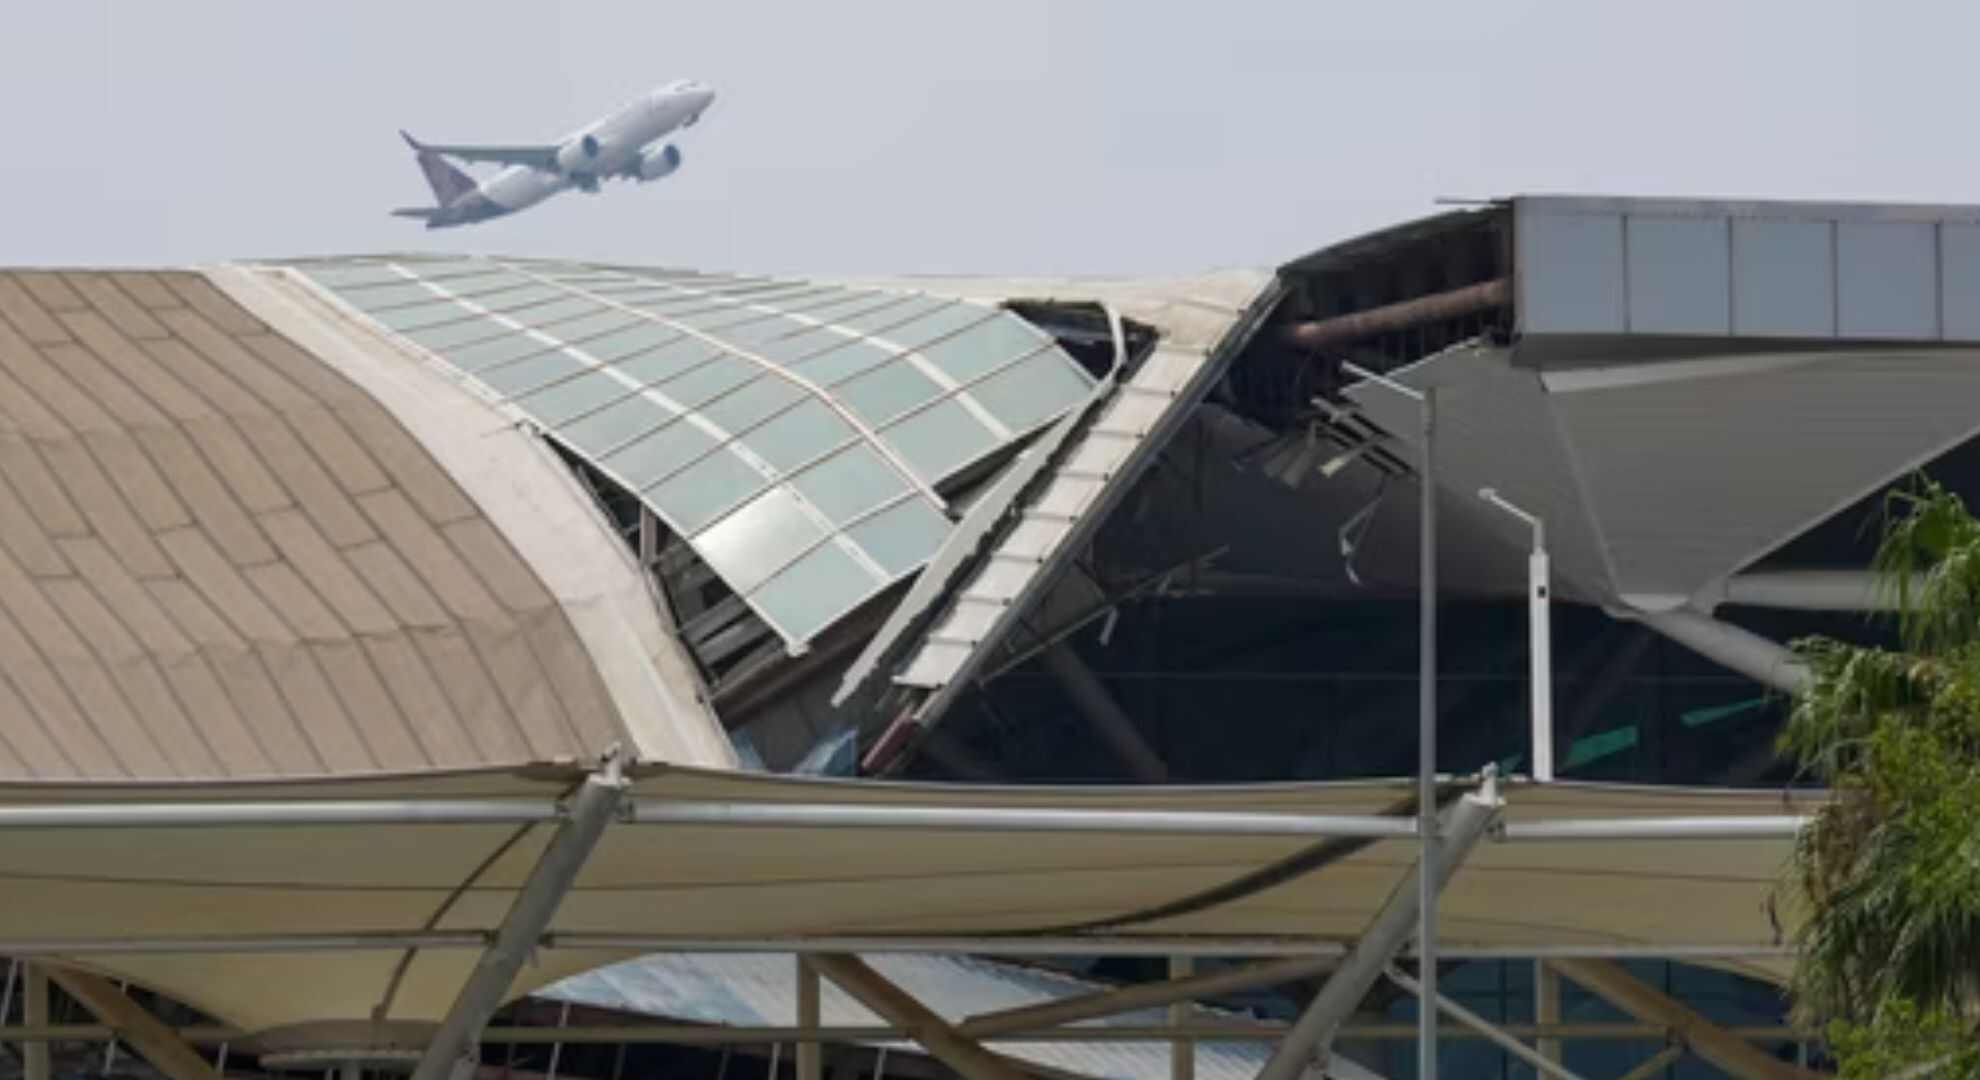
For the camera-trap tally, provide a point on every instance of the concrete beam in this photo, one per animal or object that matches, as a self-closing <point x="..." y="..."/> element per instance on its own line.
<point x="896" y="1006"/>
<point x="157" y="1043"/>
<point x="1610" y="982"/>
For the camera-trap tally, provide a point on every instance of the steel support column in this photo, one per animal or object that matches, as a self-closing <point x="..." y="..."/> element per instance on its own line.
<point x="896" y="1006"/>
<point x="34" y="1013"/>
<point x="590" y="810"/>
<point x="157" y="1043"/>
<point x="1182" y="1052"/>
<point x="810" y="1059"/>
<point x="1547" y="1006"/>
<point x="1308" y="1040"/>
<point x="1097" y="704"/>
<point x="1727" y="1051"/>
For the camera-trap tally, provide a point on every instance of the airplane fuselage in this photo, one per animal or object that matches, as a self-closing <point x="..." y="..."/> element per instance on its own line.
<point x="610" y="147"/>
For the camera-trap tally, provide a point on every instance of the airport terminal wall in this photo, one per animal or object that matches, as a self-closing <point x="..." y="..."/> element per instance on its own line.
<point x="472" y="524"/>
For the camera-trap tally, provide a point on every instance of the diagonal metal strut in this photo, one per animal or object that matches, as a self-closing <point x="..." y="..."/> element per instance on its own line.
<point x="590" y="810"/>
<point x="1310" y="1037"/>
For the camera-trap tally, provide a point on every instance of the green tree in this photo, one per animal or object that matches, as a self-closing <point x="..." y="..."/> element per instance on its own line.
<point x="1886" y="881"/>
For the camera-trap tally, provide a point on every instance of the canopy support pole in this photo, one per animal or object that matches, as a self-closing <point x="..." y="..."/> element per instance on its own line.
<point x="1547" y="1006"/>
<point x="1482" y="1026"/>
<point x="1721" y="1048"/>
<point x="157" y="1043"/>
<point x="1112" y="722"/>
<point x="810" y="1056"/>
<point x="1312" y="1035"/>
<point x="1182" y="1052"/>
<point x="34" y="1013"/>
<point x="896" y="1006"/>
<point x="589" y="811"/>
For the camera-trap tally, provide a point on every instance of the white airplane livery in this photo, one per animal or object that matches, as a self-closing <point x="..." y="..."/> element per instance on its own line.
<point x="623" y="145"/>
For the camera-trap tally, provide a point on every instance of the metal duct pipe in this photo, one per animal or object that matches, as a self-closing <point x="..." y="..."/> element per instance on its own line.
<point x="1468" y="300"/>
<point x="1722" y="643"/>
<point x="1806" y="590"/>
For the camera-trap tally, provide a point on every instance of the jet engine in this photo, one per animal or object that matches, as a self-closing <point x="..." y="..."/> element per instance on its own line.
<point x="579" y="156"/>
<point x="657" y="161"/>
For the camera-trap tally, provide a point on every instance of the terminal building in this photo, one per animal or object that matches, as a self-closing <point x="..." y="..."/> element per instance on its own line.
<point x="387" y="639"/>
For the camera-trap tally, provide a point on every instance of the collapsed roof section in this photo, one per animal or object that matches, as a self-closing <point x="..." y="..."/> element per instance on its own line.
<point x="802" y="439"/>
<point x="1677" y="388"/>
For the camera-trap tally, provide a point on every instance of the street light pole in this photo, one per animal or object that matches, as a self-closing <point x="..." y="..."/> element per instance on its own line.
<point x="1426" y="717"/>
<point x="1539" y="619"/>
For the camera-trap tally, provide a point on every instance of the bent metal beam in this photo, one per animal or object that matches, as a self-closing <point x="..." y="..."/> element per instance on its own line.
<point x="1309" y="1038"/>
<point x="591" y="809"/>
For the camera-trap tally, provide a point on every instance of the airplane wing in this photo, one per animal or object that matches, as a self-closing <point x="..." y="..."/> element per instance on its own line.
<point x="536" y="157"/>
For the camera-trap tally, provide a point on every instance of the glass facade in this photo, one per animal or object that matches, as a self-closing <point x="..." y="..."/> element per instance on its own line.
<point x="796" y="435"/>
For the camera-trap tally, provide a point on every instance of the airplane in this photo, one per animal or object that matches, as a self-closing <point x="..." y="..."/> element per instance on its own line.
<point x="625" y="144"/>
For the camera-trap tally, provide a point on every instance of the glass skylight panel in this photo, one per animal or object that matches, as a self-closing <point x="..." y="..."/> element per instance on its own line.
<point x="1030" y="391"/>
<point x="605" y="429"/>
<point x="523" y="376"/>
<point x="935" y="325"/>
<point x="900" y="537"/>
<point x="759" y="538"/>
<point x="660" y="449"/>
<point x="849" y="483"/>
<point x="881" y="319"/>
<point x="667" y="361"/>
<point x="549" y="312"/>
<point x="413" y="316"/>
<point x="501" y="350"/>
<point x="467" y="330"/>
<point x="841" y="361"/>
<point x="939" y="440"/>
<point x="985" y="347"/>
<point x="792" y="433"/>
<point x="812" y="593"/>
<point x="574" y="396"/>
<point x="694" y="496"/>
<point x="634" y="339"/>
<point x="591" y="325"/>
<point x="886" y="391"/>
<point x="800" y="435"/>
<point x="751" y="404"/>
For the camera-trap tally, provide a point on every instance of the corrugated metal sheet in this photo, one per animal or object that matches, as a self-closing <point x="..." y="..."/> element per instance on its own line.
<point x="219" y="558"/>
<point x="761" y="989"/>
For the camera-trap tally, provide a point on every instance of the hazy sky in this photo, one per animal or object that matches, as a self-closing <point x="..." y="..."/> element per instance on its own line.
<point x="913" y="136"/>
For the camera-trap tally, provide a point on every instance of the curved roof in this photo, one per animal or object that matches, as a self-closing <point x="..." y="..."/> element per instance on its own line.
<point x="796" y="435"/>
<point x="221" y="557"/>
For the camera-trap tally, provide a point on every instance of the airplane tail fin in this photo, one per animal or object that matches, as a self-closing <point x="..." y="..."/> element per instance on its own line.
<point x="447" y="182"/>
<point x="422" y="212"/>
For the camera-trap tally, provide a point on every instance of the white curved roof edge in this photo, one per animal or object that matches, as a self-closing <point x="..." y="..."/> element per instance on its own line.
<point x="533" y="499"/>
<point x="1191" y="310"/>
